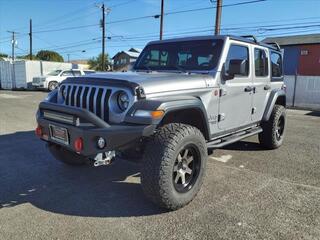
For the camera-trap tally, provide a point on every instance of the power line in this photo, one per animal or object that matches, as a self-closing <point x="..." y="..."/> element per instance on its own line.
<point x="66" y="28"/>
<point x="208" y="8"/>
<point x="147" y="16"/>
<point x="154" y="37"/>
<point x="70" y="20"/>
<point x="65" y="16"/>
<point x="182" y="11"/>
<point x="121" y="4"/>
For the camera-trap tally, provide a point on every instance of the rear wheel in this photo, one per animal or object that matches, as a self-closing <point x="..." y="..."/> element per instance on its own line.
<point x="274" y="129"/>
<point x="174" y="165"/>
<point x="66" y="156"/>
<point x="52" y="86"/>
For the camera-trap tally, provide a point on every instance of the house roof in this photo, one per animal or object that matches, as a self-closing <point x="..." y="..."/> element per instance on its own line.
<point x="294" y="40"/>
<point x="132" y="54"/>
<point x="129" y="53"/>
<point x="138" y="50"/>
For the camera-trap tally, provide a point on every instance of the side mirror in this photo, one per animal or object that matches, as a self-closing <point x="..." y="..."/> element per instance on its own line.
<point x="235" y="67"/>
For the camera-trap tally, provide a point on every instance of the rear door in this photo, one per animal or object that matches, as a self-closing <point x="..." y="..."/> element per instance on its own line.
<point x="261" y="81"/>
<point x="235" y="98"/>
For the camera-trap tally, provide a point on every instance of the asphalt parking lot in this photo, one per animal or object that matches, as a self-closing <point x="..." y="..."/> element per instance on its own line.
<point x="248" y="192"/>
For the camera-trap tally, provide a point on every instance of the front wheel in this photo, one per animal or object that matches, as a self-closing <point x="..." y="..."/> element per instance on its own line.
<point x="274" y="129"/>
<point x="173" y="165"/>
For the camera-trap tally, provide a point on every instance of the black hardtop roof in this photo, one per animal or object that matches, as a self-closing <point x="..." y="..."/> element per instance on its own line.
<point x="247" y="39"/>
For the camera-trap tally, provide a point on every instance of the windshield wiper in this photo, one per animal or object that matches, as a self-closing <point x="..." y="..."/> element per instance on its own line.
<point x="181" y="69"/>
<point x="147" y="69"/>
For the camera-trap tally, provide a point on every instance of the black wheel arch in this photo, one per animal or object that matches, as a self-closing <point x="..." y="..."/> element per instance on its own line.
<point x="187" y="110"/>
<point x="276" y="97"/>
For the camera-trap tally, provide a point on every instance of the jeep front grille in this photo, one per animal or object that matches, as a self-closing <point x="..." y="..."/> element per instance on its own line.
<point x="93" y="98"/>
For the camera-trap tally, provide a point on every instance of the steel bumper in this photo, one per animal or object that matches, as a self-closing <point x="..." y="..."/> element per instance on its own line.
<point x="81" y="123"/>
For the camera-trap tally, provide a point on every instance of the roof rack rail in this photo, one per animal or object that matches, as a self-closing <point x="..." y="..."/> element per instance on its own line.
<point x="275" y="44"/>
<point x="251" y="36"/>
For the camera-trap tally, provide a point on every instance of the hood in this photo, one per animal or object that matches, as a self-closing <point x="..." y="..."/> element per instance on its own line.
<point x="155" y="82"/>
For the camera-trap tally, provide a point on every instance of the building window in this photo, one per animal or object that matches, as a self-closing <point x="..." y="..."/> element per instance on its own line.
<point x="276" y="65"/>
<point x="260" y="62"/>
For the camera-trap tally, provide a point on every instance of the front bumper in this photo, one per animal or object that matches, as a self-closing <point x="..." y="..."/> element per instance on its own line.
<point x="38" y="85"/>
<point x="89" y="127"/>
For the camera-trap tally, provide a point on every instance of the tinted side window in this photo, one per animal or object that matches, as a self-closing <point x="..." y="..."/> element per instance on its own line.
<point x="276" y="64"/>
<point x="67" y="73"/>
<point x="157" y="58"/>
<point x="76" y="73"/>
<point x="260" y="63"/>
<point x="238" y="53"/>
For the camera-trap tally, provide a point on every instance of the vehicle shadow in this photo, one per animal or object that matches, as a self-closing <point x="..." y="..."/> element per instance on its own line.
<point x="29" y="174"/>
<point x="244" y="146"/>
<point x="313" y="113"/>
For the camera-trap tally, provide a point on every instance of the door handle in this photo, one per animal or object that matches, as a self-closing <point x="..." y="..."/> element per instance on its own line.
<point x="248" y="89"/>
<point x="267" y="87"/>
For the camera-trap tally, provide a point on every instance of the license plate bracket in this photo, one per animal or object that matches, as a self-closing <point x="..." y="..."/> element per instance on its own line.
<point x="59" y="134"/>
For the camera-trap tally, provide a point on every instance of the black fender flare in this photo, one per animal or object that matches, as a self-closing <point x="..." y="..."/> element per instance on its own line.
<point x="274" y="95"/>
<point x="168" y="105"/>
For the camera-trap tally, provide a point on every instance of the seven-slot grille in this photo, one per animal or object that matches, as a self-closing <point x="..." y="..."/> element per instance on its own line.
<point x="93" y="98"/>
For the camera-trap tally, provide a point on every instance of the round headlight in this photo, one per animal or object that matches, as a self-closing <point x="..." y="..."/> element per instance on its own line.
<point x="123" y="100"/>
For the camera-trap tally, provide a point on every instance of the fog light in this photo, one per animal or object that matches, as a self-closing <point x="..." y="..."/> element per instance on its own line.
<point x="78" y="144"/>
<point x="38" y="131"/>
<point x="101" y="142"/>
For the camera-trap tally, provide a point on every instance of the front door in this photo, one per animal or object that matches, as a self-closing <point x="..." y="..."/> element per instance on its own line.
<point x="236" y="93"/>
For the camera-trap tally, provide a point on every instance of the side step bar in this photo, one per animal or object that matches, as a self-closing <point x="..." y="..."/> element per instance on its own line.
<point x="219" y="143"/>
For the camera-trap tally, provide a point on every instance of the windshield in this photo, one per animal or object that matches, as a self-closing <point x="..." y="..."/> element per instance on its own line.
<point x="54" y="73"/>
<point x="182" y="56"/>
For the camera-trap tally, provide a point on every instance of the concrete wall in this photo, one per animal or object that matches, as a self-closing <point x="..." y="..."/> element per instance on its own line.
<point x="303" y="91"/>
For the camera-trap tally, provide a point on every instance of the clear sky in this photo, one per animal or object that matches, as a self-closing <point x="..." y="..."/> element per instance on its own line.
<point x="72" y="26"/>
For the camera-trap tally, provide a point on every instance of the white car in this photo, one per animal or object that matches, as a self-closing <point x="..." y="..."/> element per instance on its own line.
<point x="52" y="79"/>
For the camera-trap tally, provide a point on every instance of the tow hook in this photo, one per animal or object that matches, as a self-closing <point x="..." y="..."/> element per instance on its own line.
<point x="104" y="158"/>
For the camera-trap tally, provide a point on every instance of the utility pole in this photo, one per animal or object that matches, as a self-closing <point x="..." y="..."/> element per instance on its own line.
<point x="30" y="39"/>
<point x="13" y="43"/>
<point x="68" y="57"/>
<point x="218" y="17"/>
<point x="161" y="19"/>
<point x="103" y="36"/>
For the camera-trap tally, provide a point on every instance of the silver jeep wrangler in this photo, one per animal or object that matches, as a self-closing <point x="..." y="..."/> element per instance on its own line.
<point x="184" y="98"/>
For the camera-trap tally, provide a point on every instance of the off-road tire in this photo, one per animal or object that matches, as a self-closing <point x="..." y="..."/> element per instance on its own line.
<point x="65" y="155"/>
<point x="161" y="155"/>
<point x="52" y="85"/>
<point x="269" y="138"/>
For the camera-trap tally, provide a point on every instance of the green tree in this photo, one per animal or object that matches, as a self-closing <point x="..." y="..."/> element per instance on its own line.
<point x="96" y="63"/>
<point x="3" y="55"/>
<point x="27" y="57"/>
<point x="47" y="55"/>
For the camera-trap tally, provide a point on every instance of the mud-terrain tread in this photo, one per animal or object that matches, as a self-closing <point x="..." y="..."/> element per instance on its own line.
<point x="157" y="160"/>
<point x="267" y="138"/>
